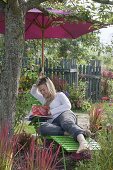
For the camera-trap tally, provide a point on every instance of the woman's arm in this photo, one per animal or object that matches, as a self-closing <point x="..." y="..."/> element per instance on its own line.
<point x="64" y="104"/>
<point x="34" y="91"/>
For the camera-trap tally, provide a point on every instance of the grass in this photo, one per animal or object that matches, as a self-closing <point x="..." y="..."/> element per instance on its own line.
<point x="29" y="128"/>
<point x="26" y="127"/>
<point x="108" y="107"/>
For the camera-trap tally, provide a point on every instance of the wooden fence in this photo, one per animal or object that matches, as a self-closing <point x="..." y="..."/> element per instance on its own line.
<point x="69" y="71"/>
<point x="92" y="74"/>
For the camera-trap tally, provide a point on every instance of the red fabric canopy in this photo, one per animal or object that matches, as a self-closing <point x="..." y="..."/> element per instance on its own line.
<point x="41" y="26"/>
<point x="38" y="25"/>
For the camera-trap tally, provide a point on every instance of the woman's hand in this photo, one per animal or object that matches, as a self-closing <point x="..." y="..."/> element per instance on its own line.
<point x="41" y="75"/>
<point x="34" y="85"/>
<point x="49" y="113"/>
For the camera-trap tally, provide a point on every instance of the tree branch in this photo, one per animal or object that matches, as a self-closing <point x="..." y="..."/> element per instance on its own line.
<point x="109" y="2"/>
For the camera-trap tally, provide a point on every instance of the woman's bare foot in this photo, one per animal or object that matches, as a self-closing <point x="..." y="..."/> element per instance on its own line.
<point x="83" y="147"/>
<point x="83" y="144"/>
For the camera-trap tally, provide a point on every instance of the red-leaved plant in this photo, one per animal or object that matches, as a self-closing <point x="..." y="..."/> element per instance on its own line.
<point x="26" y="154"/>
<point x="7" y="145"/>
<point x="38" y="157"/>
<point x="96" y="118"/>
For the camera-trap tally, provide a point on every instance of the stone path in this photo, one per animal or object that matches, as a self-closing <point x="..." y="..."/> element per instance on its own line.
<point x="83" y="120"/>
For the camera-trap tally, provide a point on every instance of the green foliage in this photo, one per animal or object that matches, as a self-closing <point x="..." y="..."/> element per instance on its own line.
<point x="107" y="87"/>
<point x="25" y="127"/>
<point x="78" y="92"/>
<point x="110" y="88"/>
<point x="86" y="105"/>
<point x="102" y="159"/>
<point x="5" y="1"/>
<point x="77" y="97"/>
<point x="35" y="123"/>
<point x="23" y="106"/>
<point x="83" y="48"/>
<point x="108" y="112"/>
<point x="27" y="79"/>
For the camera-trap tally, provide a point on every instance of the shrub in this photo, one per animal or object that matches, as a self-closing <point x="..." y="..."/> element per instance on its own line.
<point x="24" y="105"/>
<point x="77" y="97"/>
<point x="96" y="117"/>
<point x="27" y="79"/>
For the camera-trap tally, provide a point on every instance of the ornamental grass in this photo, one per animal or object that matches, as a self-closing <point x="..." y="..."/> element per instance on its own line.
<point x="23" y="152"/>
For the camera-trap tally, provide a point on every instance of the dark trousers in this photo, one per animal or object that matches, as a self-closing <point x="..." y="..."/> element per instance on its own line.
<point x="65" y="122"/>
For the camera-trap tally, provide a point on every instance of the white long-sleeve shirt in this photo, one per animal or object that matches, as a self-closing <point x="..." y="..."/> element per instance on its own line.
<point x="59" y="105"/>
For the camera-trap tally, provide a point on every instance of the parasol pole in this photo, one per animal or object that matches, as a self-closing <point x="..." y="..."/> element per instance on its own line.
<point x="42" y="50"/>
<point x="43" y="28"/>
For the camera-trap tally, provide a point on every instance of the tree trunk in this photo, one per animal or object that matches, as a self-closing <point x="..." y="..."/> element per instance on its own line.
<point x="12" y="61"/>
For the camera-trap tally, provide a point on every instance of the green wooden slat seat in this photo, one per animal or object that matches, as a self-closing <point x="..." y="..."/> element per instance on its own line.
<point x="67" y="142"/>
<point x="70" y="145"/>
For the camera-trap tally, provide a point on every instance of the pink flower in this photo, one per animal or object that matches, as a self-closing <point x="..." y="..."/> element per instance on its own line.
<point x="105" y="98"/>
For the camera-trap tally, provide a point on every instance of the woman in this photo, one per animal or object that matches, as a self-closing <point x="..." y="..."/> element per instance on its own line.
<point x="63" y="120"/>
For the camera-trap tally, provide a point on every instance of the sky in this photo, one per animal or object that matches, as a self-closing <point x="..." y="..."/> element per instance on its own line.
<point x="106" y="35"/>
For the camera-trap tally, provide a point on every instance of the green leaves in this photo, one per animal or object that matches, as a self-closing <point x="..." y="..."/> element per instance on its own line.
<point x="5" y="1"/>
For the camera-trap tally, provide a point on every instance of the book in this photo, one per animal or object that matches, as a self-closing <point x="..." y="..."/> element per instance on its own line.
<point x="40" y="110"/>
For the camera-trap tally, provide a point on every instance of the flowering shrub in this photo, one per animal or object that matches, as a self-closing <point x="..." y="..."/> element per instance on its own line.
<point x="107" y="74"/>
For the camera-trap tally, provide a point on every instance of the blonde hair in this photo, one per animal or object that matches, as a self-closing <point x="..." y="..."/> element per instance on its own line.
<point x="50" y="86"/>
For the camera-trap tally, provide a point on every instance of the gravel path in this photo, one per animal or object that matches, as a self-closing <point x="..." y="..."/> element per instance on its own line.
<point x="83" y="120"/>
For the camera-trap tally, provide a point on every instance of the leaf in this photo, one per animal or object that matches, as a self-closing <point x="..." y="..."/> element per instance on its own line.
<point x="5" y="1"/>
